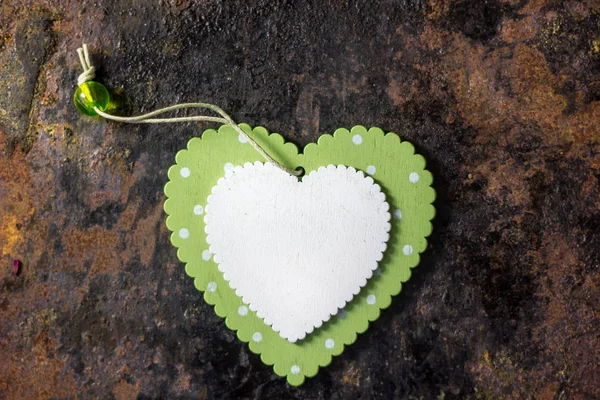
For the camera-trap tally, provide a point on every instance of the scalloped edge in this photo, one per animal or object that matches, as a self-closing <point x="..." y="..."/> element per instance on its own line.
<point x="367" y="181"/>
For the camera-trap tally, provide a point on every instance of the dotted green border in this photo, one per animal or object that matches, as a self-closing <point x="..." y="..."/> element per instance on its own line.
<point x="395" y="167"/>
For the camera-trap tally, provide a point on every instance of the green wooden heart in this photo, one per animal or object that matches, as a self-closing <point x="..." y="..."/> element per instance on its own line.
<point x="392" y="164"/>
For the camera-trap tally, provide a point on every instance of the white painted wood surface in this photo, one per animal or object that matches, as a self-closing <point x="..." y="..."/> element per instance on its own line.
<point x="296" y="252"/>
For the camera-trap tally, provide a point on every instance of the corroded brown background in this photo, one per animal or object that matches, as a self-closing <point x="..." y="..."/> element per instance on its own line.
<point x="502" y="97"/>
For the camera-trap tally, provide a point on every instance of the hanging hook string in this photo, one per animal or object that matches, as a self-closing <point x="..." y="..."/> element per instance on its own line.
<point x="89" y="73"/>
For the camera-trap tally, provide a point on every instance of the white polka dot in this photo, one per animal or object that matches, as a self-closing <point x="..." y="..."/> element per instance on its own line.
<point x="397" y="214"/>
<point x="371" y="299"/>
<point x="257" y="337"/>
<point x="185" y="172"/>
<point x="184" y="233"/>
<point x="407" y="250"/>
<point x="243" y="311"/>
<point x="198" y="210"/>
<point x="295" y="369"/>
<point x="206" y="255"/>
<point x="341" y="313"/>
<point x="414" y="177"/>
<point x="329" y="343"/>
<point x="371" y="169"/>
<point x="357" y="139"/>
<point x="228" y="167"/>
<point x="242" y="138"/>
<point x="212" y="287"/>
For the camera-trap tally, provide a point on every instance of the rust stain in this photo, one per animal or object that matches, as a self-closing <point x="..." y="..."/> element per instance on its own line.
<point x="508" y="180"/>
<point x="501" y="92"/>
<point x="352" y="375"/>
<point x="21" y="371"/>
<point x="144" y="236"/>
<point x="183" y="383"/>
<point x="95" y="247"/>
<point x="519" y="30"/>
<point x="15" y="205"/>
<point x="499" y="376"/>
<point x="510" y="97"/>
<point x="534" y="6"/>
<point x="124" y="390"/>
<point x="569" y="318"/>
<point x="438" y="8"/>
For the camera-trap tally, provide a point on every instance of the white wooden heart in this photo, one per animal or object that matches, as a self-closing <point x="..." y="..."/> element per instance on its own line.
<point x="296" y="251"/>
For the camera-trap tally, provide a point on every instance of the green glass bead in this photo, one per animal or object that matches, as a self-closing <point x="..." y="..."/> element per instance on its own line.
<point x="89" y="95"/>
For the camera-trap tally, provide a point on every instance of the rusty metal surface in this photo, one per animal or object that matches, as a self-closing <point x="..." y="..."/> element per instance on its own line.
<point x="502" y="97"/>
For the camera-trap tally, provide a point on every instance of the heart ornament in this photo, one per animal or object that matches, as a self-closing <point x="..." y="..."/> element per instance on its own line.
<point x="296" y="251"/>
<point x="298" y="267"/>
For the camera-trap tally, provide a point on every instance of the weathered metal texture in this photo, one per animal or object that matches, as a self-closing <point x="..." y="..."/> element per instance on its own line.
<point x="503" y="98"/>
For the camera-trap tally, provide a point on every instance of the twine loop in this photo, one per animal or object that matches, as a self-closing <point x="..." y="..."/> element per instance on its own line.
<point x="89" y="71"/>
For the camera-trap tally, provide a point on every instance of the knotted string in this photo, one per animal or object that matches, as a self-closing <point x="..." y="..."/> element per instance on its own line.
<point x="89" y="73"/>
